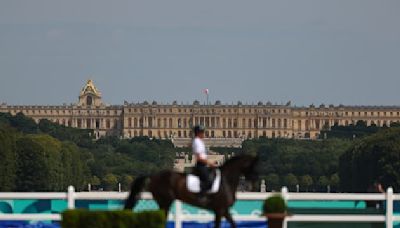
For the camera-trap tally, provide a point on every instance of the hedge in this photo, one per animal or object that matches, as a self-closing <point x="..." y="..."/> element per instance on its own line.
<point x="81" y="218"/>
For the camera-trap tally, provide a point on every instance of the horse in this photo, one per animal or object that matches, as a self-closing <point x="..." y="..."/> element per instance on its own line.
<point x="166" y="186"/>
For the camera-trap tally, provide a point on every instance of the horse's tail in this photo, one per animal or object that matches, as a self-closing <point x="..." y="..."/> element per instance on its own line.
<point x="136" y="188"/>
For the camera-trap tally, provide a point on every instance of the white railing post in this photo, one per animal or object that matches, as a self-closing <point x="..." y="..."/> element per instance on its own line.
<point x="285" y="195"/>
<point x="178" y="214"/>
<point x="389" y="207"/>
<point x="71" y="197"/>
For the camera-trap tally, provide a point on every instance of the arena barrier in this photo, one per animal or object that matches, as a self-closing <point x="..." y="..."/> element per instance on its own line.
<point x="178" y="214"/>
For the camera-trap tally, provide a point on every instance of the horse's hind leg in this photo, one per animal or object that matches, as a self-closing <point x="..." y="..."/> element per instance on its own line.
<point x="228" y="217"/>
<point x="164" y="204"/>
<point x="217" y="220"/>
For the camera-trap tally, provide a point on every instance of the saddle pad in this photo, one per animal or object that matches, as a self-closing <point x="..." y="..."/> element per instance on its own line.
<point x="193" y="183"/>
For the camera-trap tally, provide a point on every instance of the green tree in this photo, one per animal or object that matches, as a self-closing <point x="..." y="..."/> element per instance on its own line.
<point x="73" y="166"/>
<point x="23" y="123"/>
<point x="323" y="182"/>
<point x="95" y="181"/>
<point x="272" y="182"/>
<point x="126" y="182"/>
<point x="291" y="181"/>
<point x="39" y="164"/>
<point x="334" y="181"/>
<point x="375" y="158"/>
<point x="8" y="159"/>
<point x="110" y="182"/>
<point x="306" y="182"/>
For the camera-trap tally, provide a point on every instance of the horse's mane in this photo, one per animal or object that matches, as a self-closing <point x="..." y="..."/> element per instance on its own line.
<point x="236" y="159"/>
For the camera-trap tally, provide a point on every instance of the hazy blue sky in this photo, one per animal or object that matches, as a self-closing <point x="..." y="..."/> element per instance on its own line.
<point x="336" y="51"/>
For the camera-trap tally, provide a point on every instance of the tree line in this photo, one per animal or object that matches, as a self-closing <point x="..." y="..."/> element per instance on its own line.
<point x="46" y="156"/>
<point x="313" y="165"/>
<point x="49" y="157"/>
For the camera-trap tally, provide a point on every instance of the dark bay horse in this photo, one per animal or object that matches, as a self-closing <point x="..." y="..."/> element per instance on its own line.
<point x="166" y="186"/>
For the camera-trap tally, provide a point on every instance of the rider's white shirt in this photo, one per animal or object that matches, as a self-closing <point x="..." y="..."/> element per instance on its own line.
<point x="199" y="148"/>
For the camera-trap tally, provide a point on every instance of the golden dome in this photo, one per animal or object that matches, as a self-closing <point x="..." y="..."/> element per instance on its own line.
<point x="90" y="88"/>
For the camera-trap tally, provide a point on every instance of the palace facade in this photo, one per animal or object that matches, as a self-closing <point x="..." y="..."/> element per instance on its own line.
<point x="238" y="121"/>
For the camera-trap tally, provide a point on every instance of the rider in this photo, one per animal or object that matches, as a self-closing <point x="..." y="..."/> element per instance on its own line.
<point x="202" y="164"/>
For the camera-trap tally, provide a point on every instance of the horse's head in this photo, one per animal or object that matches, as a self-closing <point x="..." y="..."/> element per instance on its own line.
<point x="245" y="164"/>
<point x="249" y="168"/>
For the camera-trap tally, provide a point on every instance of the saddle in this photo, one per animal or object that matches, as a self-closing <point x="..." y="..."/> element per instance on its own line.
<point x="194" y="185"/>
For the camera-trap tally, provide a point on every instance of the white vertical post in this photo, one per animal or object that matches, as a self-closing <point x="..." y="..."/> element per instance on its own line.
<point x="285" y="195"/>
<point x="389" y="208"/>
<point x="71" y="197"/>
<point x="178" y="214"/>
<point x="284" y="192"/>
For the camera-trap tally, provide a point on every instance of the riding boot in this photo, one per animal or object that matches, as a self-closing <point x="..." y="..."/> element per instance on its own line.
<point x="202" y="196"/>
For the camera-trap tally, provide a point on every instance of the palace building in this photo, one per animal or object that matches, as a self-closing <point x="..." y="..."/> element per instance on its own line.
<point x="222" y="121"/>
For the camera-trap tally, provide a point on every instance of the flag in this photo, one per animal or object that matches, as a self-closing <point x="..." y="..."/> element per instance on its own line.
<point x="206" y="91"/>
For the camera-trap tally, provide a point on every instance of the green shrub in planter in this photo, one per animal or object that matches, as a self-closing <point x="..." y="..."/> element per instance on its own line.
<point x="81" y="218"/>
<point x="275" y="209"/>
<point x="274" y="204"/>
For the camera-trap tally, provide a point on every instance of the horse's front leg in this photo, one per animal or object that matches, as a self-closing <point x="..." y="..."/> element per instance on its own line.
<point x="217" y="219"/>
<point x="228" y="217"/>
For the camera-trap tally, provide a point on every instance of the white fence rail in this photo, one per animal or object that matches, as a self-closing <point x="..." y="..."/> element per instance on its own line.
<point x="71" y="196"/>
